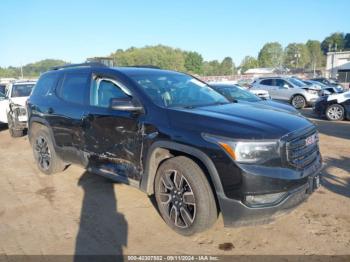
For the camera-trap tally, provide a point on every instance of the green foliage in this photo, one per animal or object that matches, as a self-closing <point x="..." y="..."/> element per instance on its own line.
<point x="31" y="70"/>
<point x="249" y="62"/>
<point x="317" y="59"/>
<point x="333" y="39"/>
<point x="271" y="55"/>
<point x="161" y="56"/>
<point x="227" y="67"/>
<point x="296" y="55"/>
<point x="194" y="63"/>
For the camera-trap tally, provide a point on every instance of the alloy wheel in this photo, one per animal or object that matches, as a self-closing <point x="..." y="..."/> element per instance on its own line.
<point x="177" y="198"/>
<point x="42" y="153"/>
<point x="335" y="113"/>
<point x="298" y="102"/>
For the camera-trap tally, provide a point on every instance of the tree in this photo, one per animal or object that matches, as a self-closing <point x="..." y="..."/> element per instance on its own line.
<point x="194" y="62"/>
<point x="162" y="56"/>
<point x="271" y="55"/>
<point x="317" y="59"/>
<point x="332" y="40"/>
<point x="347" y="42"/>
<point x="32" y="69"/>
<point x="296" y="55"/>
<point x="249" y="62"/>
<point x="227" y="67"/>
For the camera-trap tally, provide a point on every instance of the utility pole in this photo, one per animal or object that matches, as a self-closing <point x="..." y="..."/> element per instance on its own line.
<point x="333" y="50"/>
<point x="21" y="71"/>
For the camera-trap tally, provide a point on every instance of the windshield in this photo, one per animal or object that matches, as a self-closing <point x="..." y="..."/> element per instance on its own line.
<point x="2" y="94"/>
<point x="232" y="92"/>
<point x="22" y="90"/>
<point x="296" y="82"/>
<point x="169" y="89"/>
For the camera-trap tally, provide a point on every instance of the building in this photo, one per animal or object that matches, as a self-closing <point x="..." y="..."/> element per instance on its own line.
<point x="338" y="66"/>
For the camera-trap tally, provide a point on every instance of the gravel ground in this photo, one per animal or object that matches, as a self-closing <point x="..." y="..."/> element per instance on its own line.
<point x="76" y="212"/>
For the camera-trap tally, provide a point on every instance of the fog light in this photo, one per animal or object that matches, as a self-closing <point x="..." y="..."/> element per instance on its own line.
<point x="264" y="199"/>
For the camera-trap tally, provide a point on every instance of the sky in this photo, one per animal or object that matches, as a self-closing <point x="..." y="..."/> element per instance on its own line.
<point x="72" y="30"/>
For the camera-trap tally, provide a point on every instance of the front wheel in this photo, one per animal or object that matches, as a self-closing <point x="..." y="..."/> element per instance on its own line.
<point x="335" y="112"/>
<point x="184" y="196"/>
<point x="12" y="129"/>
<point x="298" y="101"/>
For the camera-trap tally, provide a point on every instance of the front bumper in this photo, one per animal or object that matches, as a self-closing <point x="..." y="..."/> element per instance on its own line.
<point x="237" y="213"/>
<point x="311" y="98"/>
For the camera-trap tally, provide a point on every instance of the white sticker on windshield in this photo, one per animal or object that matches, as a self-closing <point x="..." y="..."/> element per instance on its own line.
<point x="199" y="83"/>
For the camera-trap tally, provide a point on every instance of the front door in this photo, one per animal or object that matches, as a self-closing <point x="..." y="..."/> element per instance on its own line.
<point x="113" y="138"/>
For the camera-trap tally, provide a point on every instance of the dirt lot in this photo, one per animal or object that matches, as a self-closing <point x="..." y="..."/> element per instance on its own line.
<point x="76" y="212"/>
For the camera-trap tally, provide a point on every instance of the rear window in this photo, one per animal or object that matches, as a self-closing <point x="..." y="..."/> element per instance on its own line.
<point x="73" y="87"/>
<point x="267" y="82"/>
<point x="45" y="84"/>
<point x="21" y="90"/>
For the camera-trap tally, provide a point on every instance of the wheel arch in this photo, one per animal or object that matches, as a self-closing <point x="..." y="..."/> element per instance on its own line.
<point x="163" y="150"/>
<point x="35" y="123"/>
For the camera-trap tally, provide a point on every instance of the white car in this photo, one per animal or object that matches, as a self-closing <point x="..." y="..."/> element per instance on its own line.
<point x="13" y="106"/>
<point x="260" y="93"/>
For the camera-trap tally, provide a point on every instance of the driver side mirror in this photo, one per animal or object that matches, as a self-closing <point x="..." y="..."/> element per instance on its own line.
<point x="285" y="86"/>
<point x="124" y="104"/>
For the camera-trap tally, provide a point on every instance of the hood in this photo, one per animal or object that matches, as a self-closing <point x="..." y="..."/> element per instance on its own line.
<point x="238" y="120"/>
<point x="278" y="105"/>
<point x="19" y="100"/>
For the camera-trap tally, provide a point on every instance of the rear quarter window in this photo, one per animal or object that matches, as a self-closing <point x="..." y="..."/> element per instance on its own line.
<point x="45" y="84"/>
<point x="73" y="87"/>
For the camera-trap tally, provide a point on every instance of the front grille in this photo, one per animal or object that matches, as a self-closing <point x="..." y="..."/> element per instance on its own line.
<point x="303" y="150"/>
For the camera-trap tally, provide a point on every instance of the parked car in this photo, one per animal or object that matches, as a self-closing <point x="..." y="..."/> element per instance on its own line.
<point x="236" y="93"/>
<point x="327" y="90"/>
<point x="263" y="94"/>
<point x="288" y="89"/>
<point x="12" y="107"/>
<point x="176" y="138"/>
<point x="335" y="107"/>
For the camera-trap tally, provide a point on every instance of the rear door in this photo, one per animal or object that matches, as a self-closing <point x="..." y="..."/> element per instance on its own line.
<point x="113" y="138"/>
<point x="66" y="114"/>
<point x="269" y="85"/>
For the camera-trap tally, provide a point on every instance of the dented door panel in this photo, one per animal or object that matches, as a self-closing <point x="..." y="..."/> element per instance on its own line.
<point x="113" y="141"/>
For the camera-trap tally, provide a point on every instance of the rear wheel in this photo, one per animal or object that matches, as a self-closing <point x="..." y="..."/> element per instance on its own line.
<point x="44" y="152"/>
<point x="335" y="112"/>
<point x="298" y="101"/>
<point x="184" y="196"/>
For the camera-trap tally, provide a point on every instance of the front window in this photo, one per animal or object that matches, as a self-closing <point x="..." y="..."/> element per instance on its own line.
<point x="178" y="90"/>
<point x="22" y="90"/>
<point x="296" y="82"/>
<point x="236" y="93"/>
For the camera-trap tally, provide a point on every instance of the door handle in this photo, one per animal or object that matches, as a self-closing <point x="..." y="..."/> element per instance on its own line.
<point x="50" y="110"/>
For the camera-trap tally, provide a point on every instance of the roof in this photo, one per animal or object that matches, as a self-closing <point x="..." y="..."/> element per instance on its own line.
<point x="261" y="70"/>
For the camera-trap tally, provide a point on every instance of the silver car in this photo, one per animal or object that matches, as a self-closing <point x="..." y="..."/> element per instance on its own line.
<point x="288" y="89"/>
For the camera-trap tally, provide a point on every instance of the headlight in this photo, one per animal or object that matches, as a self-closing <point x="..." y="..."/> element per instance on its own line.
<point x="311" y="91"/>
<point x="256" y="151"/>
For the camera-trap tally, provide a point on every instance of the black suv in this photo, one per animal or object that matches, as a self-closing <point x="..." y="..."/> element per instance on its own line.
<point x="173" y="136"/>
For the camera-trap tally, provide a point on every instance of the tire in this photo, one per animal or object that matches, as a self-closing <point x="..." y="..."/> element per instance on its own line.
<point x="44" y="152"/>
<point x="188" y="205"/>
<point x="298" y="101"/>
<point x="335" y="112"/>
<point x="13" y="132"/>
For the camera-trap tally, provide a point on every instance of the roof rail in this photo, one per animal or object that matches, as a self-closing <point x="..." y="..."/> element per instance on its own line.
<point x="90" y="64"/>
<point x="145" y="66"/>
